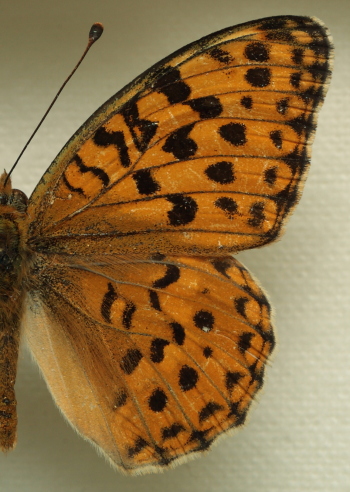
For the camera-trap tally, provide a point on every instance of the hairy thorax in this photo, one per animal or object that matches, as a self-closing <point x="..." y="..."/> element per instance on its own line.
<point x="12" y="217"/>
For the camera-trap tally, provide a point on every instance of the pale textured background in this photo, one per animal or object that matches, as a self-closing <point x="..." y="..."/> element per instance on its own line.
<point x="298" y="434"/>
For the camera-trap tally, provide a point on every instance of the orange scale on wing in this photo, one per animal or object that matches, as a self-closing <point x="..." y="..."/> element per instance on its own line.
<point x="208" y="64"/>
<point x="192" y="387"/>
<point x="234" y="54"/>
<point x="242" y="137"/>
<point x="159" y="411"/>
<point x="252" y="311"/>
<point x="269" y="176"/>
<point x="127" y="142"/>
<point x="254" y="216"/>
<point x="105" y="158"/>
<point x="223" y="106"/>
<point x="223" y="173"/>
<point x="219" y="82"/>
<point x="171" y="118"/>
<point x="150" y="102"/>
<point x="129" y="189"/>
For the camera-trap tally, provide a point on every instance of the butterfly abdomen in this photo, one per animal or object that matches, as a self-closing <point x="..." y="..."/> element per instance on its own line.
<point x="12" y="266"/>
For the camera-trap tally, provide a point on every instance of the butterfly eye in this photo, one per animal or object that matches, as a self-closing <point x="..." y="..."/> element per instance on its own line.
<point x="18" y="200"/>
<point x="5" y="262"/>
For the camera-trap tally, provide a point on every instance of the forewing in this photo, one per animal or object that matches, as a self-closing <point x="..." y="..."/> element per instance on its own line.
<point x="150" y="360"/>
<point x="204" y="154"/>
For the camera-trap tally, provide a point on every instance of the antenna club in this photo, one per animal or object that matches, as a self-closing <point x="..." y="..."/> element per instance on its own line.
<point x="95" y="32"/>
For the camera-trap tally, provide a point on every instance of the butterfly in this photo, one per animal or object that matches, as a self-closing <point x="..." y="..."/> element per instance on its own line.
<point x="151" y="336"/>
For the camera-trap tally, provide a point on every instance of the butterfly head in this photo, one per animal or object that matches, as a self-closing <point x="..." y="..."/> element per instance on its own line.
<point x="9" y="197"/>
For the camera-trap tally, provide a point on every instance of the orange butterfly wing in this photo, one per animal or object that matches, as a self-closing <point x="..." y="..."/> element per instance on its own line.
<point x="232" y="115"/>
<point x="152" y="359"/>
<point x="158" y="339"/>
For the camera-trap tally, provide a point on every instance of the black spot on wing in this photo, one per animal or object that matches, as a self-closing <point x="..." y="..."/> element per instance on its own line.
<point x="138" y="446"/>
<point x="163" y="455"/>
<point x="244" y="341"/>
<point x="222" y="265"/>
<point x="178" y="333"/>
<point x="257" y="215"/>
<point x="184" y="210"/>
<point x="227" y="205"/>
<point x="253" y="368"/>
<point x="221" y="172"/>
<point x="235" y="411"/>
<point x="102" y="138"/>
<point x="171" y="85"/>
<point x="96" y="171"/>
<point x="74" y="189"/>
<point x="154" y="300"/>
<point x="276" y="138"/>
<point x="206" y="107"/>
<point x="200" y="436"/>
<point x="157" y="349"/>
<point x="209" y="410"/>
<point x="172" y="275"/>
<point x="172" y="431"/>
<point x="128" y="314"/>
<point x="130" y="361"/>
<point x="282" y="105"/>
<point x="180" y="144"/>
<point x="258" y="379"/>
<point x="188" y="378"/>
<point x="120" y="399"/>
<point x="158" y="400"/>
<point x="220" y="55"/>
<point x="240" y="305"/>
<point x="247" y="102"/>
<point x="302" y="124"/>
<point x="234" y="133"/>
<point x="258" y="77"/>
<point x="142" y="131"/>
<point x="207" y="352"/>
<point x="232" y="378"/>
<point x="270" y="175"/>
<point x="257" y="51"/>
<point x="312" y="95"/>
<point x="107" y="302"/>
<point x="204" y="320"/>
<point x="145" y="183"/>
<point x="297" y="56"/>
<point x="269" y="337"/>
<point x="295" y="79"/>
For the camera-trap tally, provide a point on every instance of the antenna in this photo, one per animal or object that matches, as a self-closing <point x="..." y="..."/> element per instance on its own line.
<point x="94" y="34"/>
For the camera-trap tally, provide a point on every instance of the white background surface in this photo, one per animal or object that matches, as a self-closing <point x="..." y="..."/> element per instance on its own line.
<point x="298" y="434"/>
